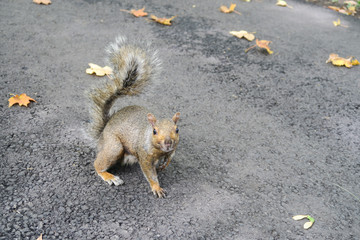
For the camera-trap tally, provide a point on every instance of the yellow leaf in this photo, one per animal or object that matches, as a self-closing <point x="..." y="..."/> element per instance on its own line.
<point x="355" y="62"/>
<point x="164" y="21"/>
<point x="282" y="3"/>
<point x="299" y="217"/>
<point x="45" y="2"/>
<point x="339" y="61"/>
<point x="336" y="23"/>
<point x="22" y="100"/>
<point x="243" y="34"/>
<point x="231" y="9"/>
<point x="99" y="71"/>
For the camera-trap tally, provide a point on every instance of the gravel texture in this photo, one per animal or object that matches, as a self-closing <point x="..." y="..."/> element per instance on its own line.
<point x="263" y="137"/>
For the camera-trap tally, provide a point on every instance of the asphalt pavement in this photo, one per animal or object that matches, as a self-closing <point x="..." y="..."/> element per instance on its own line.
<point x="262" y="137"/>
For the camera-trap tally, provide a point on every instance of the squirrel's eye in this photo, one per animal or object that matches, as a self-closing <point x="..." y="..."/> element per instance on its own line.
<point x="177" y="130"/>
<point x="155" y="132"/>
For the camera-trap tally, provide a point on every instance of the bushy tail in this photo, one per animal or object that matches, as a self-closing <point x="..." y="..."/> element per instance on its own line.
<point x="134" y="64"/>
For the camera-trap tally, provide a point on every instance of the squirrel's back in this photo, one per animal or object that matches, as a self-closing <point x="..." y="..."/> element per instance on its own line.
<point x="134" y="64"/>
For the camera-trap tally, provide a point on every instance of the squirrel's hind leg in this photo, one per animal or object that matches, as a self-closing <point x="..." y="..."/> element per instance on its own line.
<point x="106" y="157"/>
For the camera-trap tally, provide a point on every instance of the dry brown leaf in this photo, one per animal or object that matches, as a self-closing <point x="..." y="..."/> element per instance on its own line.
<point x="45" y="2"/>
<point x="243" y="34"/>
<point x="339" y="61"/>
<point x="22" y="100"/>
<point x="334" y="8"/>
<point x="262" y="44"/>
<point x="99" y="71"/>
<point x="164" y="21"/>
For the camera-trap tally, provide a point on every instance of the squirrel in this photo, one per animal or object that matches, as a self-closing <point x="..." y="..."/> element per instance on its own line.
<point x="132" y="134"/>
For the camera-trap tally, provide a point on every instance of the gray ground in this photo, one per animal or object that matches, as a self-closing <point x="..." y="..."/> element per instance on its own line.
<point x="263" y="137"/>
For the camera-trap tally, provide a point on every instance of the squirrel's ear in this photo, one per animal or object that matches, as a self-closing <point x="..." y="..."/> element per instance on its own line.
<point x="151" y="119"/>
<point x="176" y="117"/>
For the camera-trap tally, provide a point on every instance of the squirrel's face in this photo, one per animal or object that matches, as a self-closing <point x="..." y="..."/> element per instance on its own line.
<point x="165" y="135"/>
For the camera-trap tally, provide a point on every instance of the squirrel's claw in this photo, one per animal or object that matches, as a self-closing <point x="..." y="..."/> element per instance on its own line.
<point x="159" y="192"/>
<point x="116" y="181"/>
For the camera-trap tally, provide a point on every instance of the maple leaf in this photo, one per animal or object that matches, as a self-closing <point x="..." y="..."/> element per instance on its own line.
<point x="339" y="61"/>
<point x="243" y="34"/>
<point x="136" y="13"/>
<point x="45" y="2"/>
<point x="22" y="100"/>
<point x="164" y="21"/>
<point x="99" y="71"/>
<point x="139" y="12"/>
<point x="231" y="9"/>
<point x="262" y="44"/>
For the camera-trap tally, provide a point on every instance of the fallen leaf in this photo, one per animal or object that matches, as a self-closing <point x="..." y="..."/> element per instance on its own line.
<point x="225" y="9"/>
<point x="231" y="9"/>
<point x="99" y="71"/>
<point x="282" y="3"/>
<point x="355" y="62"/>
<point x="243" y="34"/>
<point x="350" y="10"/>
<point x="136" y="13"/>
<point x="22" y="100"/>
<point x="299" y="217"/>
<point x="262" y="44"/>
<point x="164" y="21"/>
<point x="337" y="23"/>
<point x="339" y="61"/>
<point x="139" y="12"/>
<point x="334" y="8"/>
<point x="45" y="2"/>
<point x="40" y="237"/>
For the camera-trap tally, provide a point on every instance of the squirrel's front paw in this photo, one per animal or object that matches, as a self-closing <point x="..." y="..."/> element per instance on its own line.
<point x="116" y="181"/>
<point x="111" y="179"/>
<point x="158" y="191"/>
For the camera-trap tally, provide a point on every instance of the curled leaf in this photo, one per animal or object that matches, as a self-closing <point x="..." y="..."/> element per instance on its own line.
<point x="164" y="21"/>
<point x="262" y="44"/>
<point x="243" y="34"/>
<point x="282" y="3"/>
<point x="99" y="71"/>
<point x="231" y="9"/>
<point x="339" y="61"/>
<point x="22" y="100"/>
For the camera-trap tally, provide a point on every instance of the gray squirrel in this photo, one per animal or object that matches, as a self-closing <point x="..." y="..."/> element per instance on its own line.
<point x="132" y="134"/>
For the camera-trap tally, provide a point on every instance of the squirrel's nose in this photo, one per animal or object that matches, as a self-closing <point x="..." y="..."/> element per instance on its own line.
<point x="167" y="141"/>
